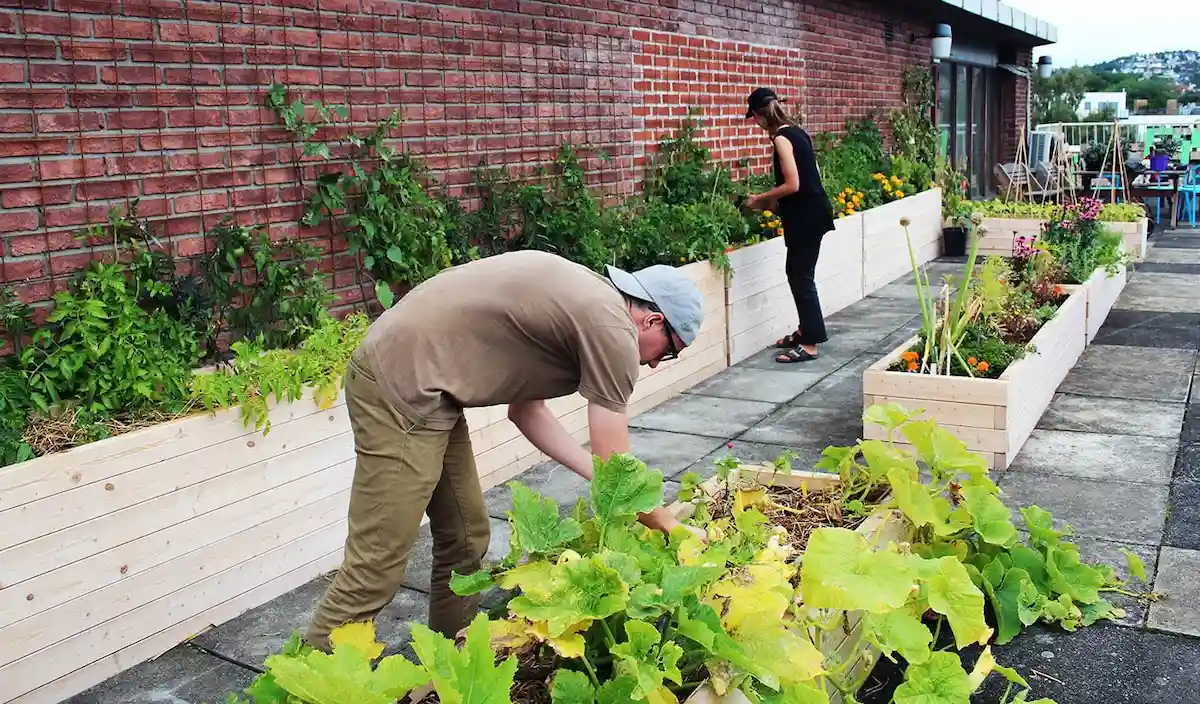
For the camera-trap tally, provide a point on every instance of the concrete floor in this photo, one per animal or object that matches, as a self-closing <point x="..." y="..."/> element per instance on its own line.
<point x="1116" y="456"/>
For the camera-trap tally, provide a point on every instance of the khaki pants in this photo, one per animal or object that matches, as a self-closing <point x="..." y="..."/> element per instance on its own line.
<point x="402" y="472"/>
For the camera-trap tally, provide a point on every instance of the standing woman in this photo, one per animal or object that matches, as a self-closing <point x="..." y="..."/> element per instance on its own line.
<point x="806" y="213"/>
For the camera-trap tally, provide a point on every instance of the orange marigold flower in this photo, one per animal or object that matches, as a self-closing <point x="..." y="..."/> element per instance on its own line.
<point x="983" y="366"/>
<point x="972" y="361"/>
<point x="912" y="366"/>
<point x="1058" y="290"/>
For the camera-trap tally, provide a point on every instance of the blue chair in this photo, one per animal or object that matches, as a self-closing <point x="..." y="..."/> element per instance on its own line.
<point x="1189" y="194"/>
<point x="1155" y="181"/>
<point x="1113" y="184"/>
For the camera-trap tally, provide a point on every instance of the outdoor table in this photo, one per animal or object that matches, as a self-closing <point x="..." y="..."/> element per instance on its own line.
<point x="1161" y="189"/>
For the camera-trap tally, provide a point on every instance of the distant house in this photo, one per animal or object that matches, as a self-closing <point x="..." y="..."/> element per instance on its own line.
<point x="1098" y="101"/>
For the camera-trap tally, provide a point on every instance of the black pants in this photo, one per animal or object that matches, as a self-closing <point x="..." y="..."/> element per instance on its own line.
<point x="801" y="268"/>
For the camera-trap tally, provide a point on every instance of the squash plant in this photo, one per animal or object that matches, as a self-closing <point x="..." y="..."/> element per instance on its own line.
<point x="612" y="612"/>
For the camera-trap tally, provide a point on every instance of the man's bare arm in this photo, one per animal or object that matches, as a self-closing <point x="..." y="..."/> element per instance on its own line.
<point x="609" y="433"/>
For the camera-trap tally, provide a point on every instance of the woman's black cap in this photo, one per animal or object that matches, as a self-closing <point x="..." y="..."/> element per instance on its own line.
<point x="759" y="99"/>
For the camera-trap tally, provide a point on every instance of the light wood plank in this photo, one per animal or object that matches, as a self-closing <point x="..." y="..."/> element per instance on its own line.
<point x="130" y="559"/>
<point x="55" y="550"/>
<point x="112" y="664"/>
<point x="45" y="476"/>
<point x="106" y="638"/>
<point x="115" y="600"/>
<point x="322" y="435"/>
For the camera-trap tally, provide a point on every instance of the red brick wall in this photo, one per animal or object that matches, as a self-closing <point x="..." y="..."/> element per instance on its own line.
<point x="851" y="68"/>
<point x="104" y="101"/>
<point x="674" y="73"/>
<point x="1014" y="94"/>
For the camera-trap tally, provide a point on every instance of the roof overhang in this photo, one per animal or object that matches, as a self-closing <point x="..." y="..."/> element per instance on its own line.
<point x="1037" y="32"/>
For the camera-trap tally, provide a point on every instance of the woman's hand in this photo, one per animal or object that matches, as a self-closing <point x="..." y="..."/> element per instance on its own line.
<point x="755" y="202"/>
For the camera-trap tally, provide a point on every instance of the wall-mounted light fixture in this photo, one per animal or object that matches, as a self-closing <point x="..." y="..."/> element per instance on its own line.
<point x="941" y="42"/>
<point x="1045" y="67"/>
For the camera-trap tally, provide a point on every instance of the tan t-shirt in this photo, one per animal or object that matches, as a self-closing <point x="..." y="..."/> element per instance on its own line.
<point x="515" y="327"/>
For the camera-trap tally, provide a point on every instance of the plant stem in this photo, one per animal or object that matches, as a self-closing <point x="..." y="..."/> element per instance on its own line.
<point x="608" y="634"/>
<point x="938" y="630"/>
<point x="591" y="671"/>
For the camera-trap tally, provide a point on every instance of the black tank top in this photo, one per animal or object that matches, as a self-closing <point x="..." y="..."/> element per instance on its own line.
<point x="810" y="204"/>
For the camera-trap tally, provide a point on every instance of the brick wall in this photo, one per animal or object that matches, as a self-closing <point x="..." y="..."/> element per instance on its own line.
<point x="674" y="72"/>
<point x="855" y="54"/>
<point x="1014" y="94"/>
<point x="104" y="101"/>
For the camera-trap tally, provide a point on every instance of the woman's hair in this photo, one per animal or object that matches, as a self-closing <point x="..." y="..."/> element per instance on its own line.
<point x="775" y="115"/>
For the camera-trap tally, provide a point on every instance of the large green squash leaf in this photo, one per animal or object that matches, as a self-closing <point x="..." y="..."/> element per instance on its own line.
<point x="623" y="487"/>
<point x="939" y="680"/>
<point x="536" y="526"/>
<point x="841" y="571"/>
<point x="952" y="593"/>
<point x="581" y="589"/>
<point x="467" y="676"/>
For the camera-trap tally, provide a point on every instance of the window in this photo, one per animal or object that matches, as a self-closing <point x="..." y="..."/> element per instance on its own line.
<point x="967" y="119"/>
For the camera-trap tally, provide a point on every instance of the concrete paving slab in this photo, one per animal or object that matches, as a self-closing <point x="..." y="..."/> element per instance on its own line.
<point x="1101" y="664"/>
<point x="758" y="452"/>
<point x="1183" y="516"/>
<point x="550" y="479"/>
<point x="1175" y="241"/>
<point x="797" y="426"/>
<point x="1097" y="456"/>
<point x="1180" y="285"/>
<point x="906" y="290"/>
<point x="263" y="630"/>
<point x="182" y="675"/>
<point x="1133" y="513"/>
<point x="420" y="560"/>
<point x="1148" y="297"/>
<point x="1167" y="255"/>
<point x="1179" y="610"/>
<point x="898" y="337"/>
<point x="1154" y="267"/>
<point x="842" y="389"/>
<point x="1115" y="371"/>
<point x="1095" y="550"/>
<point x="1150" y="328"/>
<point x="704" y="415"/>
<point x="1113" y="415"/>
<point x="1191" y="419"/>
<point x="750" y="384"/>
<point x="831" y="360"/>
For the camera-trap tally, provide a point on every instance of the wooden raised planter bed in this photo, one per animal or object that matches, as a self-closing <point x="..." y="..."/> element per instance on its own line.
<point x="114" y="552"/>
<point x="1102" y="294"/>
<point x="994" y="417"/>
<point x="841" y="644"/>
<point x="885" y="249"/>
<point x="1000" y="233"/>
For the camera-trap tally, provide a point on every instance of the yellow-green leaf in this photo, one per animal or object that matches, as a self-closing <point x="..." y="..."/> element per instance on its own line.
<point x="841" y="571"/>
<point x="952" y="594"/>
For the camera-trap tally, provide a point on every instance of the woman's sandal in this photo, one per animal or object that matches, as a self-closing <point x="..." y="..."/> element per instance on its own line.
<point x="794" y="355"/>
<point x="789" y="342"/>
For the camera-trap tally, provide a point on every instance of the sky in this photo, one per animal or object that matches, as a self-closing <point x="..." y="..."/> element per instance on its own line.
<point x="1091" y="31"/>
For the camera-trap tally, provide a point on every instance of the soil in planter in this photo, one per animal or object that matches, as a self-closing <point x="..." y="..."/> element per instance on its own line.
<point x="796" y="510"/>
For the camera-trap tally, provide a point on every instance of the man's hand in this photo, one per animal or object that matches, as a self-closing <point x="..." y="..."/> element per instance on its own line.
<point x="662" y="520"/>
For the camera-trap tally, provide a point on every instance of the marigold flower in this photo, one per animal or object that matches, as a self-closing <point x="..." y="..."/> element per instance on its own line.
<point x="767" y="214"/>
<point x="779" y="231"/>
<point x="1058" y="290"/>
<point x="983" y="366"/>
<point x="912" y="366"/>
<point x="972" y="361"/>
<point x="899" y="194"/>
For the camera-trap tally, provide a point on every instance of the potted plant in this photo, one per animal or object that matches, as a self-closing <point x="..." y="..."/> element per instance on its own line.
<point x="1166" y="148"/>
<point x="954" y="236"/>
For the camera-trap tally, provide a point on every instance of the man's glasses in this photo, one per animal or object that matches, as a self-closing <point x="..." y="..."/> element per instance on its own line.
<point x="672" y="351"/>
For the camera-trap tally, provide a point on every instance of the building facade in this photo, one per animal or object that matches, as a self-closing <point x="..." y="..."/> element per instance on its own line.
<point x="164" y="101"/>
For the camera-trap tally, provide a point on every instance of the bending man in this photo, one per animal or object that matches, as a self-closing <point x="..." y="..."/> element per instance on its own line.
<point x="513" y="329"/>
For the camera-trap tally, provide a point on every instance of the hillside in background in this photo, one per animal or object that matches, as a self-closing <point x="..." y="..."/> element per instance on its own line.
<point x="1182" y="67"/>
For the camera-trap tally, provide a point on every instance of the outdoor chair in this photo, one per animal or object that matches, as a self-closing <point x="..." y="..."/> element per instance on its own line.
<point x="1189" y="194"/>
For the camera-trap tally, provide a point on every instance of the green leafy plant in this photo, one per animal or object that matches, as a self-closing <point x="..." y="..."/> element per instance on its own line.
<point x="105" y="352"/>
<point x="1109" y="212"/>
<point x="257" y="375"/>
<point x="852" y="160"/>
<point x="286" y="293"/>
<point x="563" y="216"/>
<point x="381" y="198"/>
<point x="913" y="130"/>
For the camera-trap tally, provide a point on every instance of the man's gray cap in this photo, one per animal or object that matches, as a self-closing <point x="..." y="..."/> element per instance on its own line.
<point x="670" y="290"/>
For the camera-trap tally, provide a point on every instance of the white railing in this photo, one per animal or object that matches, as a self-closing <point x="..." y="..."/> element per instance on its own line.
<point x="1133" y="129"/>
